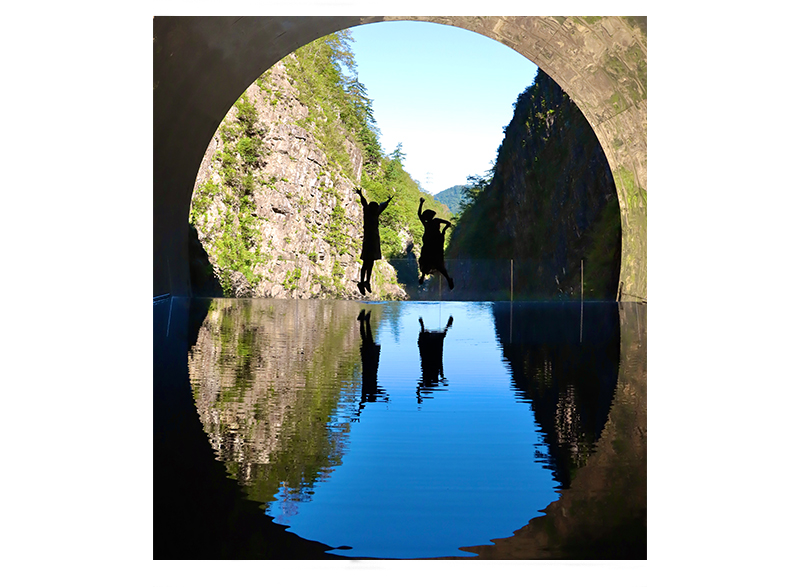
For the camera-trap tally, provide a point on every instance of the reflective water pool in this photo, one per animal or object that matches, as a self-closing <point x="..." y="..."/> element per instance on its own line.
<point x="403" y="429"/>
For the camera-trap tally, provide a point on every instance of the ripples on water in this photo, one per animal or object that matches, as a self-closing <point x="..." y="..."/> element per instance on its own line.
<point x="405" y="429"/>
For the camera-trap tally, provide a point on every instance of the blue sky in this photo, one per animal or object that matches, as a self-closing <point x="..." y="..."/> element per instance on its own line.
<point x="445" y="93"/>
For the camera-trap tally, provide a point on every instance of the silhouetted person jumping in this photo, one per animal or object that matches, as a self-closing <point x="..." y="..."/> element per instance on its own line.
<point x="371" y="246"/>
<point x="431" y="257"/>
<point x="370" y="356"/>
<point x="431" y="347"/>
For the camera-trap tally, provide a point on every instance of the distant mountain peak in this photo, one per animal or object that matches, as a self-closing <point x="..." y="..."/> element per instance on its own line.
<point x="452" y="197"/>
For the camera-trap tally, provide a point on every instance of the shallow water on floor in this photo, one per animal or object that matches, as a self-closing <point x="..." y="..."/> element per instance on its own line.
<point x="404" y="429"/>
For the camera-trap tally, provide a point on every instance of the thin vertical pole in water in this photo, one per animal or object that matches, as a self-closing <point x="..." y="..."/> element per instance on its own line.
<point x="581" y="300"/>
<point x="511" y="314"/>
<point x="511" y="324"/>
<point x="169" y="317"/>
<point x="512" y="280"/>
<point x="169" y="276"/>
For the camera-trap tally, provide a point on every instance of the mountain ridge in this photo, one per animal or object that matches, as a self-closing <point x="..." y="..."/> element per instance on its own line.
<point x="452" y="197"/>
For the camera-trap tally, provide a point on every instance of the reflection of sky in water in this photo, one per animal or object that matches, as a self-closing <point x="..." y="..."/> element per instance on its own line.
<point x="422" y="479"/>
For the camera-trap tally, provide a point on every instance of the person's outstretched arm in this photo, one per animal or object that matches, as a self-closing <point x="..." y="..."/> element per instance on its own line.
<point x="447" y="223"/>
<point x="419" y="210"/>
<point x="386" y="203"/>
<point x="361" y="195"/>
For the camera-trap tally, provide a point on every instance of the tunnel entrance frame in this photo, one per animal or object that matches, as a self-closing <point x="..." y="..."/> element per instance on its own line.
<point x="201" y="65"/>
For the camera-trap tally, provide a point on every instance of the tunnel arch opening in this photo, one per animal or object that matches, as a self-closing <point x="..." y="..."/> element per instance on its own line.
<point x="201" y="63"/>
<point x="314" y="140"/>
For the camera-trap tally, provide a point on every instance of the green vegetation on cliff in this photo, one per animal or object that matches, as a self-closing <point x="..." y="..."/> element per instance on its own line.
<point x="338" y="105"/>
<point x="260" y="166"/>
<point x="320" y="70"/>
<point x="399" y="222"/>
<point x="236" y="250"/>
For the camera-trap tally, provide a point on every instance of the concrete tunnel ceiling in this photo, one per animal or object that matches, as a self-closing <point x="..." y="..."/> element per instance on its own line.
<point x="201" y="65"/>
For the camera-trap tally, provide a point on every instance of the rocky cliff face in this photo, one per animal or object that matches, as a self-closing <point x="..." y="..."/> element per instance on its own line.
<point x="275" y="215"/>
<point x="550" y="203"/>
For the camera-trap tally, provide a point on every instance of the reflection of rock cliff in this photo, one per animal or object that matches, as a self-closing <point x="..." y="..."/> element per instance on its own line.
<point x="564" y="360"/>
<point x="603" y="514"/>
<point x="267" y="377"/>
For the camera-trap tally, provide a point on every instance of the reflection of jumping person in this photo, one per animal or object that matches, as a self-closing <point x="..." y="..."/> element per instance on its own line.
<point x="370" y="356"/>
<point x="371" y="246"/>
<point x="431" y="257"/>
<point x="431" y="347"/>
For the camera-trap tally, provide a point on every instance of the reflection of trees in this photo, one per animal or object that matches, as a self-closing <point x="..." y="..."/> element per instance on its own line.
<point x="268" y="377"/>
<point x="564" y="361"/>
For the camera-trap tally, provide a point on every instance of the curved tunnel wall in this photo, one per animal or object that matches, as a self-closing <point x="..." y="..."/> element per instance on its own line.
<point x="201" y="65"/>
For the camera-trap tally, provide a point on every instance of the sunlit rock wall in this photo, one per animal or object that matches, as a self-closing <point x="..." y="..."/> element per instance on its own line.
<point x="306" y="212"/>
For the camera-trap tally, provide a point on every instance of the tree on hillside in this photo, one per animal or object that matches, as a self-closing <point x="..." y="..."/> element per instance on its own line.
<point x="476" y="185"/>
<point x="395" y="164"/>
<point x="397" y="154"/>
<point x="368" y="131"/>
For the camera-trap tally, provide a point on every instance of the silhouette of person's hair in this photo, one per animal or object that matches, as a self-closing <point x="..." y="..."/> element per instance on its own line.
<point x="371" y="245"/>
<point x="370" y="356"/>
<point x="431" y="257"/>
<point x="431" y="347"/>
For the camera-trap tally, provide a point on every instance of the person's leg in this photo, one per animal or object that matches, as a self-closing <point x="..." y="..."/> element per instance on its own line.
<point x="363" y="274"/>
<point x="423" y="269"/>
<point x="444" y="273"/>
<point x="369" y="263"/>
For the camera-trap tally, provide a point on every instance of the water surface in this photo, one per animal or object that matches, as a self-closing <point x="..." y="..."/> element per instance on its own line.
<point x="405" y="429"/>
